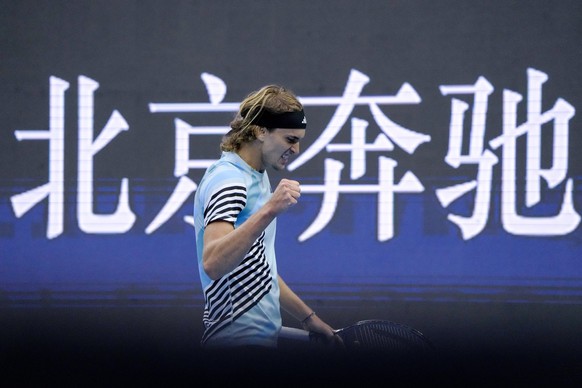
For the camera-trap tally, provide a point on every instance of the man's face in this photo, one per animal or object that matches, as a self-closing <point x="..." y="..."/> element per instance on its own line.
<point x="279" y="145"/>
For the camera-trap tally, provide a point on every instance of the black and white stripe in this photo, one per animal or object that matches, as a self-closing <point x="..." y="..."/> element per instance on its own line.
<point x="231" y="296"/>
<point x="225" y="204"/>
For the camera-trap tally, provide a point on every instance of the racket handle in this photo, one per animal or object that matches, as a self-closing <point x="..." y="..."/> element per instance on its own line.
<point x="292" y="333"/>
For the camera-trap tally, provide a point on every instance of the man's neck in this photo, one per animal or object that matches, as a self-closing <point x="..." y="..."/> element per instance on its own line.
<point x="251" y="154"/>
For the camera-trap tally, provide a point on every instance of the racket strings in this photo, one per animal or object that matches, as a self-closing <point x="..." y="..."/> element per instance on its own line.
<point x="386" y="335"/>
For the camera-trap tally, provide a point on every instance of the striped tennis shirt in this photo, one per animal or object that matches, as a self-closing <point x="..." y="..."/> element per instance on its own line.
<point x="242" y="307"/>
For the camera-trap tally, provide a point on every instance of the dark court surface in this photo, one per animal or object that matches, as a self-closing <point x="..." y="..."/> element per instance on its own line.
<point x="476" y="344"/>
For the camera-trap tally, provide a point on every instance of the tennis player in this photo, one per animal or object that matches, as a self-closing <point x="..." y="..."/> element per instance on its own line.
<point x="235" y="214"/>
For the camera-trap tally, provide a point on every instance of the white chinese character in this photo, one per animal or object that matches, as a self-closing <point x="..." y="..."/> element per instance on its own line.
<point x="484" y="159"/>
<point x="392" y="133"/>
<point x="123" y="218"/>
<point x="54" y="189"/>
<point x="567" y="219"/>
<point x="185" y="187"/>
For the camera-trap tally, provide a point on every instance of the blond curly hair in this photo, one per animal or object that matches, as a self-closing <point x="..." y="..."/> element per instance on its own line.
<point x="273" y="98"/>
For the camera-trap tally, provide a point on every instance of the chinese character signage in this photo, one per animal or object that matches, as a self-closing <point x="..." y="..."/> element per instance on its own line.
<point x="466" y="178"/>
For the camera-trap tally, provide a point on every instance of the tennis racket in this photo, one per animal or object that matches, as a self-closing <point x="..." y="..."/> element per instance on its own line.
<point x="376" y="335"/>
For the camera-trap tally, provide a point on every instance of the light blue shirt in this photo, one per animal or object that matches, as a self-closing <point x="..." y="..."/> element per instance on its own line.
<point x="242" y="307"/>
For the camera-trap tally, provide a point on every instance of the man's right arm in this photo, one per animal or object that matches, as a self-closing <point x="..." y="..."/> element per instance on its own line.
<point x="225" y="247"/>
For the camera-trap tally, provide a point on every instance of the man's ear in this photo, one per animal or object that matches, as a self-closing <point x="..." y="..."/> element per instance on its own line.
<point x="260" y="133"/>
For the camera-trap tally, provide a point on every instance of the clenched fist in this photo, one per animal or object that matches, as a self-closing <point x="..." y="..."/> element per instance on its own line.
<point x="285" y="195"/>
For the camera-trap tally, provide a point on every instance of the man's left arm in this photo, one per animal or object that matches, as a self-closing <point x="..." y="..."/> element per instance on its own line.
<point x="292" y="304"/>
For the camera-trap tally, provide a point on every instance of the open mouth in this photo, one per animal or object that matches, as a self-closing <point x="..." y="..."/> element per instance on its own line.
<point x="285" y="157"/>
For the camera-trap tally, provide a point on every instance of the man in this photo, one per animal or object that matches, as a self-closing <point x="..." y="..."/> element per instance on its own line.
<point x="235" y="219"/>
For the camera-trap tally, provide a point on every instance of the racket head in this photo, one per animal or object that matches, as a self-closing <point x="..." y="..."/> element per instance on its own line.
<point x="384" y="336"/>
